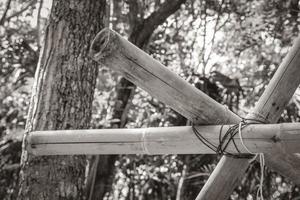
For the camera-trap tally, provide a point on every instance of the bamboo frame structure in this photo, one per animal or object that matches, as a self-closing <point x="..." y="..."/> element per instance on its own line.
<point x="165" y="140"/>
<point x="112" y="50"/>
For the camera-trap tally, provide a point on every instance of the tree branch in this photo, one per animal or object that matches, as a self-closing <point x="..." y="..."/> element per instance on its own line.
<point x="21" y="11"/>
<point x="215" y="31"/>
<point x="142" y="32"/>
<point x="2" y="20"/>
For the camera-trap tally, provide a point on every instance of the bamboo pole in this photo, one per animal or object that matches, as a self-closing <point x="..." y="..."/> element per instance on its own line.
<point x="112" y="50"/>
<point x="163" y="140"/>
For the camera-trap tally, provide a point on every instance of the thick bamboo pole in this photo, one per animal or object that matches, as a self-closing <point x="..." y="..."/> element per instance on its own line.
<point x="163" y="140"/>
<point x="112" y="50"/>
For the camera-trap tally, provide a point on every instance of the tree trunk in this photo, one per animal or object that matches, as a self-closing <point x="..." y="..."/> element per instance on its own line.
<point x="62" y="98"/>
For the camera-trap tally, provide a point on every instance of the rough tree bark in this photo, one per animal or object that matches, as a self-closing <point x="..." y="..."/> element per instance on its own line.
<point x="141" y="33"/>
<point x="62" y="98"/>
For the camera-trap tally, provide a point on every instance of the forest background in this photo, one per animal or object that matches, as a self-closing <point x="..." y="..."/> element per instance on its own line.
<point x="228" y="49"/>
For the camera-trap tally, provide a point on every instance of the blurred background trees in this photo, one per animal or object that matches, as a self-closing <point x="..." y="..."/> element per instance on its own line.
<point x="229" y="49"/>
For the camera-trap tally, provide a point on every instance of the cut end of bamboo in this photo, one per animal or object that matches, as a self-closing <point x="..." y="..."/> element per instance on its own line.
<point x="100" y="46"/>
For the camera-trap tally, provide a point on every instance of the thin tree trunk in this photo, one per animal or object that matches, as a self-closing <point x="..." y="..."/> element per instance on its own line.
<point x="62" y="98"/>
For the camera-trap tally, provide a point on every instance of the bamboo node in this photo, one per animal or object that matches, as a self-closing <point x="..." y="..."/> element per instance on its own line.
<point x="144" y="141"/>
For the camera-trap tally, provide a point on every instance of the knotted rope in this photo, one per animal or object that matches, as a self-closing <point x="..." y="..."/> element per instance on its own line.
<point x="227" y="138"/>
